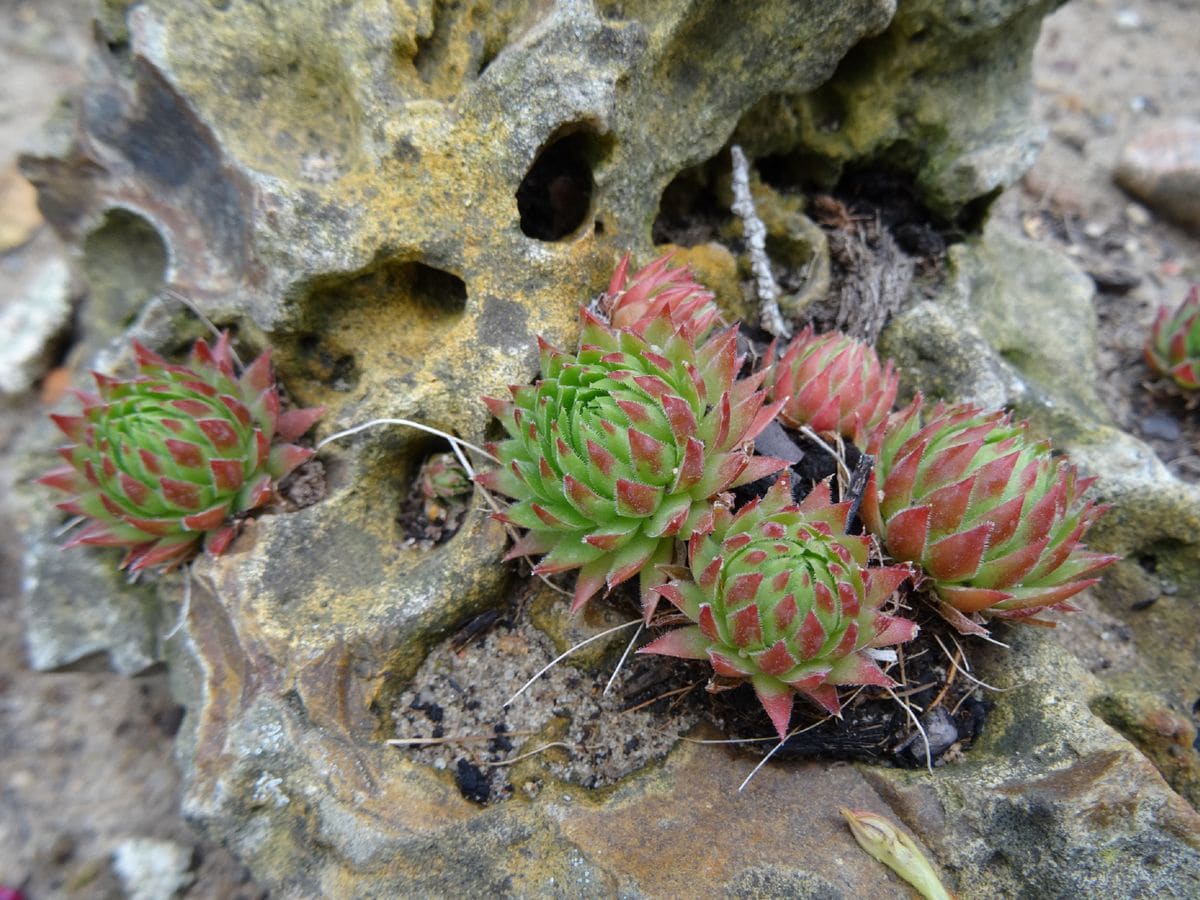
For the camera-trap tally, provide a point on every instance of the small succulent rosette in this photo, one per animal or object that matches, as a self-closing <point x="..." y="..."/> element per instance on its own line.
<point x="613" y="455"/>
<point x="782" y="597"/>
<point x="1173" y="348"/>
<point x="834" y="384"/>
<point x="442" y="477"/>
<point x="994" y="520"/>
<point x="171" y="459"/>
<point x="659" y="290"/>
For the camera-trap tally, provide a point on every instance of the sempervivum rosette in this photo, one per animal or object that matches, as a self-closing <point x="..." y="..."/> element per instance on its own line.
<point x="1173" y="348"/>
<point x="992" y="517"/>
<point x="781" y="596"/>
<point x="834" y="384"/>
<point x="614" y="453"/>
<point x="659" y="290"/>
<point x="168" y="460"/>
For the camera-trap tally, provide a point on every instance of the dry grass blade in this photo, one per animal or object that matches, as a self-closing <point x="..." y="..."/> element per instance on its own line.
<point x="920" y="728"/>
<point x="550" y="665"/>
<point x="620" y="662"/>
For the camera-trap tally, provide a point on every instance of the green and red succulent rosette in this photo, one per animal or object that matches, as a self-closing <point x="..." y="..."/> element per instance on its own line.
<point x="173" y="458"/>
<point x="613" y="455"/>
<point x="780" y="596"/>
<point x="994" y="520"/>
<point x="1173" y="348"/>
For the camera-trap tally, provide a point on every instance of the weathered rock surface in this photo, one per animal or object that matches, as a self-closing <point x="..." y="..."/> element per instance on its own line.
<point x="398" y="197"/>
<point x="1161" y="166"/>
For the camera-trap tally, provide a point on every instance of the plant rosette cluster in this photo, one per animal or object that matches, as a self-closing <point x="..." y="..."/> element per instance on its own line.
<point x="993" y="519"/>
<point x="780" y="596"/>
<point x="1173" y="348"/>
<point x="172" y="459"/>
<point x="613" y="455"/>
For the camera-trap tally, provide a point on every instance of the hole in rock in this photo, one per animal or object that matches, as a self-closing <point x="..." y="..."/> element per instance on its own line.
<point x="124" y="263"/>
<point x="555" y="195"/>
<point x="327" y="364"/>
<point x="438" y="498"/>
<point x="690" y="211"/>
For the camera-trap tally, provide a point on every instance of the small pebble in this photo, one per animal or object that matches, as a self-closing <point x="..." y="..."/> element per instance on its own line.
<point x="1127" y="19"/>
<point x="1161" y="426"/>
<point x="1161" y="167"/>
<point x="1137" y="215"/>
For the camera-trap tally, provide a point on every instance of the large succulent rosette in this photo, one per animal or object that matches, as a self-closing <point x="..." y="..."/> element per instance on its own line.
<point x="834" y="385"/>
<point x="994" y="519"/>
<point x="782" y="597"/>
<point x="659" y="290"/>
<point x="171" y="459"/>
<point x="612" y="456"/>
<point x="1173" y="348"/>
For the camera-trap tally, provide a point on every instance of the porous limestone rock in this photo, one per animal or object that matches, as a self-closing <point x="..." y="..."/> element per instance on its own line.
<point x="398" y="197"/>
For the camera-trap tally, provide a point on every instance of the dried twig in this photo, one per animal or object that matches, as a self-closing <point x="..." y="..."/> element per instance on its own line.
<point x="756" y="241"/>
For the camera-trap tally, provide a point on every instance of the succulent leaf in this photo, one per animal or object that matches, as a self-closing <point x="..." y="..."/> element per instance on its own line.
<point x="168" y="460"/>
<point x="781" y="598"/>
<point x="833" y="384"/>
<point x="994" y="520"/>
<point x="1173" y="348"/>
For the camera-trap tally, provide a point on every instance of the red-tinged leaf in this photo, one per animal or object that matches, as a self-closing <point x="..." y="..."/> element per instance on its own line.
<point x="1005" y="519"/>
<point x="993" y="477"/>
<point x="670" y="517"/>
<point x="682" y="643"/>
<point x="587" y="502"/>
<point x="638" y="413"/>
<point x="1008" y="570"/>
<point x="630" y="560"/>
<point x="907" y="532"/>
<point x="284" y="458"/>
<point x="680" y="416"/>
<point x="64" y="478"/>
<point x="175" y="426"/>
<point x="811" y="636"/>
<point x="185" y="454"/>
<point x="89" y="472"/>
<point x="262" y="449"/>
<point x="208" y="520"/>
<point x="728" y="665"/>
<point x="96" y="534"/>
<point x="146" y="357"/>
<point x="724" y="414"/>
<point x="849" y="640"/>
<point x="722" y="472"/>
<point x="1026" y="598"/>
<point x="600" y="458"/>
<point x="747" y="628"/>
<point x="255" y="494"/>
<point x="618" y="278"/>
<point x="647" y="453"/>
<point x="848" y="598"/>
<point x="228" y="474"/>
<point x="879" y="583"/>
<point x="898" y="485"/>
<point x="958" y="556"/>
<point x="654" y="386"/>
<point x="969" y="599"/>
<point x="107" y="465"/>
<point x="71" y="426"/>
<point x="180" y="494"/>
<point x="891" y="630"/>
<point x="220" y="433"/>
<point x="258" y="376"/>
<point x="163" y="554"/>
<point x="151" y="526"/>
<point x="532" y="543"/>
<point x="691" y="469"/>
<point x="857" y="669"/>
<point x="636" y="500"/>
<point x="610" y="541"/>
<point x="198" y="387"/>
<point x="150" y="462"/>
<point x="758" y="467"/>
<point x="137" y="492"/>
<point x="743" y="588"/>
<point x="947" y="465"/>
<point x="673" y="595"/>
<point x="776" y="699"/>
<point x="824" y="599"/>
<point x="217" y="542"/>
<point x="710" y="573"/>
<point x="191" y="408"/>
<point x="776" y="660"/>
<point x="708" y="623"/>
<point x="948" y="505"/>
<point x="826" y="697"/>
<point x="293" y="423"/>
